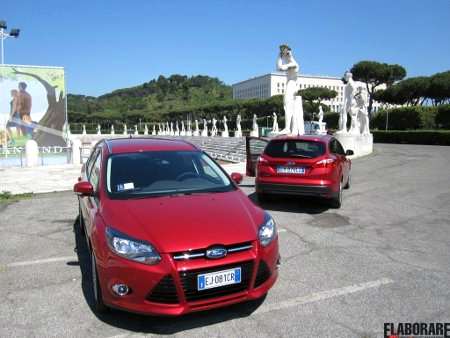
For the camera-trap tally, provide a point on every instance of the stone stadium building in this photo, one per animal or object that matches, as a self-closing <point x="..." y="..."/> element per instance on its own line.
<point x="271" y="84"/>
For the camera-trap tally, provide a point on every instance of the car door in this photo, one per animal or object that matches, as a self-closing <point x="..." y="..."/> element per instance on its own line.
<point x="254" y="147"/>
<point x="91" y="202"/>
<point x="338" y="150"/>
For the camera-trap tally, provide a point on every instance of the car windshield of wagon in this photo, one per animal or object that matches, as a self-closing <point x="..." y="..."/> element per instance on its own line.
<point x="159" y="173"/>
<point x="295" y="148"/>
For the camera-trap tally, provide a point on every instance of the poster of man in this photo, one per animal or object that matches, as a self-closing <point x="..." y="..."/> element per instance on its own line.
<point x="32" y="105"/>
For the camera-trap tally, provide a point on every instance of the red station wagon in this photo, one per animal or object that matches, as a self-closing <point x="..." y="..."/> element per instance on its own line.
<point x="299" y="165"/>
<point x="169" y="231"/>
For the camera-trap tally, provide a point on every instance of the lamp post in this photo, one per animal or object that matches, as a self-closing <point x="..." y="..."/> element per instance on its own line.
<point x="4" y="35"/>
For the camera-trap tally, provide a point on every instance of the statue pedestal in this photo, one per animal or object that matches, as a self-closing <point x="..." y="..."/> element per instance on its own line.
<point x="254" y="133"/>
<point x="225" y="133"/>
<point x="360" y="144"/>
<point x="238" y="133"/>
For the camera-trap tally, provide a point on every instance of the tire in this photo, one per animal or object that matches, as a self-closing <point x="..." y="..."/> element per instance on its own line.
<point x="98" y="304"/>
<point x="347" y="186"/>
<point x="262" y="197"/>
<point x="336" y="202"/>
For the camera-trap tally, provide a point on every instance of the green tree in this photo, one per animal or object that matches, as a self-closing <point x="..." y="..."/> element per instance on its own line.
<point x="412" y="92"/>
<point x="313" y="98"/>
<point x="439" y="89"/>
<point x="374" y="74"/>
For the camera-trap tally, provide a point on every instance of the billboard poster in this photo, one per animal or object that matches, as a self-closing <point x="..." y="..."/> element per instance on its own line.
<point x="32" y="105"/>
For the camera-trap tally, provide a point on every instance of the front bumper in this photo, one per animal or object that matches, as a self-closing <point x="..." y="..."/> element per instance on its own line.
<point x="169" y="288"/>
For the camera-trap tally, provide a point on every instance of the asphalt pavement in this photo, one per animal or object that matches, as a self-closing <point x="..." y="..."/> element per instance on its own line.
<point x="383" y="257"/>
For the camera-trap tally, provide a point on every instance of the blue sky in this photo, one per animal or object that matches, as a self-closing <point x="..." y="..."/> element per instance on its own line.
<point x="105" y="45"/>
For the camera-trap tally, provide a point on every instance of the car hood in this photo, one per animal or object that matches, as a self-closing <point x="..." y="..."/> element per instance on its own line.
<point x="185" y="222"/>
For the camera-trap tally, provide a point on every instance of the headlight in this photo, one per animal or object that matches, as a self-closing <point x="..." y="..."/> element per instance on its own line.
<point x="133" y="249"/>
<point x="267" y="230"/>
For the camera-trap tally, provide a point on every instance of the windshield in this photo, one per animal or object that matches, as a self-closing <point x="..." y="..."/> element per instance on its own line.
<point x="159" y="173"/>
<point x="295" y="148"/>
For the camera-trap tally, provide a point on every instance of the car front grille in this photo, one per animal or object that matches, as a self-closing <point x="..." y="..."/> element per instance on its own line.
<point x="201" y="253"/>
<point x="189" y="282"/>
<point x="263" y="274"/>
<point x="164" y="292"/>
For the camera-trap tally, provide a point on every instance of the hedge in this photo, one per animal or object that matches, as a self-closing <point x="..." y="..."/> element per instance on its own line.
<point x="432" y="137"/>
<point x="404" y="118"/>
<point x="443" y="116"/>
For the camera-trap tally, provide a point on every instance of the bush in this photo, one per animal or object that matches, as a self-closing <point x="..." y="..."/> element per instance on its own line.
<point x="433" y="137"/>
<point x="332" y="120"/>
<point x="405" y="118"/>
<point x="443" y="116"/>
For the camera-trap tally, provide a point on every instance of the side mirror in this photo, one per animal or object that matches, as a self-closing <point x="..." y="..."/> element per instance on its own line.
<point x="84" y="188"/>
<point x="237" y="178"/>
<point x="349" y="152"/>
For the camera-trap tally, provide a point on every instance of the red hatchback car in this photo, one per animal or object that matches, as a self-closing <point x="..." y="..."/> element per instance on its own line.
<point x="299" y="165"/>
<point x="169" y="231"/>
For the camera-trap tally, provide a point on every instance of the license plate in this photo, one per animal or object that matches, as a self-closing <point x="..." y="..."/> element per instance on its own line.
<point x="291" y="170"/>
<point x="220" y="278"/>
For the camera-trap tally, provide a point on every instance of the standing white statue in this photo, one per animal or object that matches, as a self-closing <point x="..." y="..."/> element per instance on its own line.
<point x="167" y="130"/>
<point x="99" y="130"/>
<point x="136" y="132"/>
<point x="293" y="108"/>
<point x="125" y="129"/>
<point x="197" y="130"/>
<point x="275" y="128"/>
<point x="320" y="114"/>
<point x="183" y="131"/>
<point x="112" y="129"/>
<point x="238" y="132"/>
<point x="205" y="128"/>
<point x="189" y="128"/>
<point x="84" y="130"/>
<point x="225" y="127"/>
<point x="363" y="114"/>
<point x="214" y="127"/>
<point x="349" y="92"/>
<point x="255" y="129"/>
<point x="172" y="133"/>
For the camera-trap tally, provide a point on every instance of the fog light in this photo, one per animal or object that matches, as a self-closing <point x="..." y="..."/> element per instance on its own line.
<point x="120" y="289"/>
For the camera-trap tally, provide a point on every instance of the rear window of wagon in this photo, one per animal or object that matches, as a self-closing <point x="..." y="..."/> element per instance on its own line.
<point x="295" y="149"/>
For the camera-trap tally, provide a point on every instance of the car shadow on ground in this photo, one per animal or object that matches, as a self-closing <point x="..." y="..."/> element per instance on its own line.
<point x="150" y="324"/>
<point x="298" y="204"/>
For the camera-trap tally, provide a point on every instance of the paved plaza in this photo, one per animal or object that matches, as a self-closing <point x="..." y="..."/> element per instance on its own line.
<point x="383" y="257"/>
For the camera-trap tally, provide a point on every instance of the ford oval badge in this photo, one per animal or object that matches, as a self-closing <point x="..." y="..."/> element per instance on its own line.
<point x="216" y="252"/>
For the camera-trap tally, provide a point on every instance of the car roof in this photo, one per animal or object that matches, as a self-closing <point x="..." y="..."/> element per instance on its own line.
<point x="139" y="144"/>
<point x="316" y="138"/>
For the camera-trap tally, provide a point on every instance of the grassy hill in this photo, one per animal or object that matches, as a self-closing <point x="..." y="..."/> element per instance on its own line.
<point x="151" y="100"/>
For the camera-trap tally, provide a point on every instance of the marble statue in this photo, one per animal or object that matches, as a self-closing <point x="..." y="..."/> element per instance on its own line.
<point x="172" y="133"/>
<point x="112" y="130"/>
<point x="320" y="114"/>
<point x="225" y="127"/>
<point x="189" y="128"/>
<point x="84" y="130"/>
<point x="275" y="128"/>
<point x="363" y="114"/>
<point x="214" y="127"/>
<point x="293" y="108"/>
<point x="205" y="128"/>
<point x="349" y="92"/>
<point x="99" y="130"/>
<point x="125" y="129"/>
<point x="255" y="129"/>
<point x="136" y="131"/>
<point x="177" y="130"/>
<point x="197" y="130"/>
<point x="183" y="131"/>
<point x="238" y="132"/>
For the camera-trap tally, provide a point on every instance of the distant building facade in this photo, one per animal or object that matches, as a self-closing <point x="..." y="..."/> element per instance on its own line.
<point x="274" y="83"/>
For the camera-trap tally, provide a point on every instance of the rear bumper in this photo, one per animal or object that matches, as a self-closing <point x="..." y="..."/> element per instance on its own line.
<point x="295" y="189"/>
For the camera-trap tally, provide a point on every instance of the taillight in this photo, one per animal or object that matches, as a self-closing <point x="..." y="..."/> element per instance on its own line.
<point x="263" y="161"/>
<point x="325" y="163"/>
